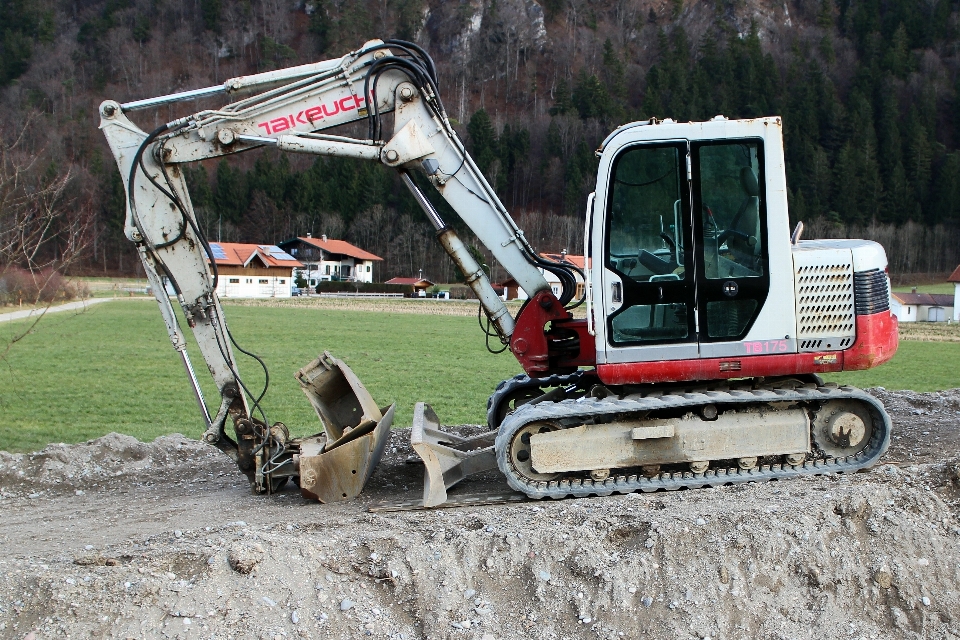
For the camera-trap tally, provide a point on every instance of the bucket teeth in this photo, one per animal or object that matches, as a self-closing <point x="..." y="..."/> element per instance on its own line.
<point x="336" y="465"/>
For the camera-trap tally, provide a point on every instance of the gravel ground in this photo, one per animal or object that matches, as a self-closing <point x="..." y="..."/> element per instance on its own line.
<point x="122" y="539"/>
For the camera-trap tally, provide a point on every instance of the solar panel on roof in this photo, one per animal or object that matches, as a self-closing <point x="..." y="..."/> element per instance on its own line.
<point x="276" y="252"/>
<point x="218" y="252"/>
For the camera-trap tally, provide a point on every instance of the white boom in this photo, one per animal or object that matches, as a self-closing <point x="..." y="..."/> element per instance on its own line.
<point x="296" y="105"/>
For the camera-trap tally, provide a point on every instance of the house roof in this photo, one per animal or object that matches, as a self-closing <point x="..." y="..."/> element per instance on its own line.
<point x="339" y="247"/>
<point x="955" y="276"/>
<point x="924" y="299"/>
<point x="237" y="254"/>
<point x="414" y="282"/>
<point x="568" y="258"/>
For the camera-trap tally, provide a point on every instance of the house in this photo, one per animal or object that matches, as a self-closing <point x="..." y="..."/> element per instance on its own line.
<point x="253" y="270"/>
<point x="564" y="258"/>
<point x="955" y="279"/>
<point x="325" y="259"/>
<point x="510" y="289"/>
<point x="420" y="285"/>
<point x="922" y="307"/>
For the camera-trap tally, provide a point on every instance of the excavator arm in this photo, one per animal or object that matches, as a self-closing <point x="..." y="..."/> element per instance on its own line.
<point x="290" y="109"/>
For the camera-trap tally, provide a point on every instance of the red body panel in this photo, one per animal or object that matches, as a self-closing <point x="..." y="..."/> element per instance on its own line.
<point x="876" y="343"/>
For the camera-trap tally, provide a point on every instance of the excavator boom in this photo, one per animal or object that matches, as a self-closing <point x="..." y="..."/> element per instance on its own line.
<point x="290" y="109"/>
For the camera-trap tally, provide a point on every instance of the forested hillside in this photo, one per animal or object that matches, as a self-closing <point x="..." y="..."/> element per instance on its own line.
<point x="868" y="90"/>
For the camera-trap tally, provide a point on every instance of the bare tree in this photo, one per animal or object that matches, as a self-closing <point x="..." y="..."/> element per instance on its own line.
<point x="44" y="222"/>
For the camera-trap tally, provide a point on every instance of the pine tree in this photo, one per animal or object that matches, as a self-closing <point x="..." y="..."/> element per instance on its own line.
<point x="484" y="140"/>
<point x="614" y="77"/>
<point x="590" y="97"/>
<point x="917" y="161"/>
<point x="231" y="193"/>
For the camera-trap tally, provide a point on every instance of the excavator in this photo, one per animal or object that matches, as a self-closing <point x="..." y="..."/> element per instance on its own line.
<point x="707" y="320"/>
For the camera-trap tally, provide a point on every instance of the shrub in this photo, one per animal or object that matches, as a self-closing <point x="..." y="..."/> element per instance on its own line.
<point x="331" y="286"/>
<point x="45" y="286"/>
<point x="461" y="292"/>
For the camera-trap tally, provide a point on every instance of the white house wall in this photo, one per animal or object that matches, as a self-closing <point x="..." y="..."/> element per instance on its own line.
<point x="325" y="270"/>
<point x="921" y="313"/>
<point x="245" y="286"/>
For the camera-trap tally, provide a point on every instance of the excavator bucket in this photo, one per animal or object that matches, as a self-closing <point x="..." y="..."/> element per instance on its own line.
<point x="335" y="465"/>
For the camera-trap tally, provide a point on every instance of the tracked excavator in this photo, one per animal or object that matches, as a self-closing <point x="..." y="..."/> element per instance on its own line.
<point x="707" y="321"/>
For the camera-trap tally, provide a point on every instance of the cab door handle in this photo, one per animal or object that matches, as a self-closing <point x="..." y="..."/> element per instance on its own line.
<point x="616" y="292"/>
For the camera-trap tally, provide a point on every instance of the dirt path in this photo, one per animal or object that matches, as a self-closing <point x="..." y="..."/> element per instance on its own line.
<point x="69" y="306"/>
<point x="117" y="538"/>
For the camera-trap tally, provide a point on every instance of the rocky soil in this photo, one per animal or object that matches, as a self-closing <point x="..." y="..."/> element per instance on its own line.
<point x="120" y="539"/>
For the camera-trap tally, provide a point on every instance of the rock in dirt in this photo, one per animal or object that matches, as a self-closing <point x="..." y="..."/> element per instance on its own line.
<point x="244" y="557"/>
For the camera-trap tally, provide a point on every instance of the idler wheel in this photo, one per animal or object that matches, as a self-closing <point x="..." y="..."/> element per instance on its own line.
<point x="520" y="451"/>
<point x="842" y="428"/>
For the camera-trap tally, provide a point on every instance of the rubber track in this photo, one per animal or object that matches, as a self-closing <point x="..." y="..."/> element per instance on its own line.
<point x="611" y="408"/>
<point x="508" y="386"/>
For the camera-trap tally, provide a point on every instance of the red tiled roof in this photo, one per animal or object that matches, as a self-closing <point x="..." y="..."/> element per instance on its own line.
<point x="410" y="281"/>
<point x="576" y="261"/>
<point x="925" y="299"/>
<point x="237" y="254"/>
<point x="341" y="247"/>
<point x="955" y="276"/>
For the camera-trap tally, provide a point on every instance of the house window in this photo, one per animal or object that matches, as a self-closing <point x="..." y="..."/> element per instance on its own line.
<point x="264" y="281"/>
<point x="282" y="281"/>
<point x="345" y="271"/>
<point x="249" y="280"/>
<point x="327" y="271"/>
<point x="368" y="268"/>
<point x="234" y="280"/>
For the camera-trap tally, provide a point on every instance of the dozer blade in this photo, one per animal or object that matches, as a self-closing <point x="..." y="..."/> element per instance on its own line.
<point x="447" y="458"/>
<point x="336" y="465"/>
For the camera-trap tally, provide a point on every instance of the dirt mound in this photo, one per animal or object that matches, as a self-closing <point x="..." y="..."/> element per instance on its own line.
<point x="103" y="462"/>
<point x="870" y="555"/>
<point x="926" y="426"/>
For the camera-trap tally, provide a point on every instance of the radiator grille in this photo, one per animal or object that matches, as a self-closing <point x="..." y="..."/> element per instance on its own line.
<point x="825" y="306"/>
<point x="871" y="292"/>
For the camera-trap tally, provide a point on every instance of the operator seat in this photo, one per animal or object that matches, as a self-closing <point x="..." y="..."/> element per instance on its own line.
<point x="743" y="235"/>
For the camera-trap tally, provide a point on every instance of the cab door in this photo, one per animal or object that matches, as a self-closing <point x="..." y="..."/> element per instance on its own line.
<point x="648" y="277"/>
<point x="730" y="234"/>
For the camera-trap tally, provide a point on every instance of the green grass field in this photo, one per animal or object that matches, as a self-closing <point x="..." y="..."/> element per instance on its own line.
<point x="940" y="287"/>
<point x="918" y="366"/>
<point x="112" y="368"/>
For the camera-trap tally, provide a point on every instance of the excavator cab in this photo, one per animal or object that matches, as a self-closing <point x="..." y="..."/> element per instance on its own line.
<point x="684" y="224"/>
